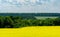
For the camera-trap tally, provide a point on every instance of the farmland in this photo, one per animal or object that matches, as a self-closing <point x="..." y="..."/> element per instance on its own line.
<point x="33" y="31"/>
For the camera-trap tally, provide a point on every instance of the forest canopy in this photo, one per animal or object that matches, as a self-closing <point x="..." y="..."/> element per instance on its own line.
<point x="19" y="21"/>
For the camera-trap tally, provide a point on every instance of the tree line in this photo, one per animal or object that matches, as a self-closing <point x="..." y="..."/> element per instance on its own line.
<point x="19" y="21"/>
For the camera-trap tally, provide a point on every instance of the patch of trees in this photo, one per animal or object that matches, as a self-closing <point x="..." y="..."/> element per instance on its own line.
<point x="18" y="21"/>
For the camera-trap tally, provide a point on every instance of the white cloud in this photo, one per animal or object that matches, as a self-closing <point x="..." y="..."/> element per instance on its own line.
<point x="46" y="6"/>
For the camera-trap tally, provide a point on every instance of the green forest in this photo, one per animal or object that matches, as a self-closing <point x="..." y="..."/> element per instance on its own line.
<point x="19" y="21"/>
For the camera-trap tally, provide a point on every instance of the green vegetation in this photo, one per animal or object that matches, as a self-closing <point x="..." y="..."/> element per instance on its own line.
<point x="17" y="21"/>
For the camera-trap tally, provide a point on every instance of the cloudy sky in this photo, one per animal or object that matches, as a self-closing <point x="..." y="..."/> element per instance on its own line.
<point x="30" y="6"/>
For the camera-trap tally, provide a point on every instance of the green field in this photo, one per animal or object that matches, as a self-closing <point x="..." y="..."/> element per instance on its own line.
<point x="42" y="17"/>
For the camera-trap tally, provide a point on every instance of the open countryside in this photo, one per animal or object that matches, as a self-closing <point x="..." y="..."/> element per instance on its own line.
<point x="33" y="31"/>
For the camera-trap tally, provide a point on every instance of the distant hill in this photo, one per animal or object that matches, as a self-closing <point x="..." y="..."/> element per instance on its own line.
<point x="30" y="14"/>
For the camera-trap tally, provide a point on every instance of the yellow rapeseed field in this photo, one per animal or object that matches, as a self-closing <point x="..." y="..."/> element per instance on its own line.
<point x="33" y="31"/>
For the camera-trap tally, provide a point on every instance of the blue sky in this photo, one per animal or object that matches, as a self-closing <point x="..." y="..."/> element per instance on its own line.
<point x="30" y="6"/>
